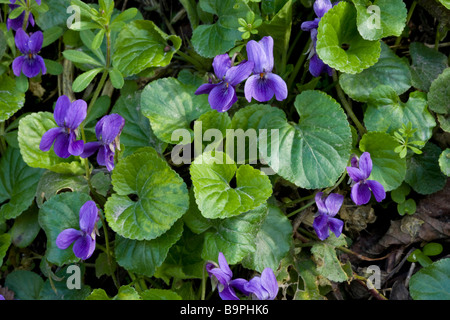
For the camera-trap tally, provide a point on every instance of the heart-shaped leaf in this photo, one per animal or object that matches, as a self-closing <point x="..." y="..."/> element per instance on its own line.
<point x="57" y="214"/>
<point x="388" y="168"/>
<point x="18" y="183"/>
<point x="313" y="153"/>
<point x="149" y="196"/>
<point x="143" y="257"/>
<point x="339" y="43"/>
<point x="444" y="162"/>
<point x="11" y="99"/>
<point x="31" y="129"/>
<point x="389" y="70"/>
<point x="171" y="105"/>
<point x="432" y="282"/>
<point x="439" y="94"/>
<point x="380" y="18"/>
<point x="211" y="175"/>
<point x="141" y="45"/>
<point x="387" y="113"/>
<point x="234" y="237"/>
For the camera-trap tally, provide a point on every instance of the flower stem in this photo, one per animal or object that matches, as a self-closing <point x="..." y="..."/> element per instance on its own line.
<point x="347" y="106"/>
<point x="27" y="14"/>
<point x="298" y="65"/>
<point x="108" y="250"/>
<point x="408" y="18"/>
<point x="300" y="209"/>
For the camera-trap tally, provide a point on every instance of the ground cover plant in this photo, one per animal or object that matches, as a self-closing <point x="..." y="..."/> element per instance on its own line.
<point x="224" y="150"/>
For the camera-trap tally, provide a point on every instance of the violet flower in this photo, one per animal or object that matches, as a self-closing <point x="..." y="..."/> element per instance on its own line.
<point x="17" y="23"/>
<point x="222" y="95"/>
<point x="264" y="287"/>
<point x="83" y="239"/>
<point x="222" y="275"/>
<point x="325" y="221"/>
<point x="30" y="63"/>
<point x="68" y="117"/>
<point x="107" y="130"/>
<point x="2" y="297"/>
<point x="359" y="172"/>
<point x="317" y="66"/>
<point x="263" y="84"/>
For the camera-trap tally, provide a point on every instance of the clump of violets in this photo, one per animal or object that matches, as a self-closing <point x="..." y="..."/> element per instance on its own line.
<point x="68" y="116"/>
<point x="264" y="287"/>
<point x="17" y="23"/>
<point x="83" y="239"/>
<point x="107" y="130"/>
<point x="222" y="95"/>
<point x="263" y="84"/>
<point x="316" y="65"/>
<point x="327" y="210"/>
<point x="362" y="188"/>
<point x="29" y="63"/>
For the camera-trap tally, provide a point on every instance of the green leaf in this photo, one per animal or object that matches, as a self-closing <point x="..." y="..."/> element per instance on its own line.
<point x="388" y="168"/>
<point x="390" y="70"/>
<point x="5" y="242"/>
<point x="399" y="195"/>
<point x="380" y="18"/>
<point x="57" y="214"/>
<point x="211" y="174"/>
<point x="160" y="294"/>
<point x="170" y="105"/>
<point x="31" y="129"/>
<point x="141" y="45"/>
<point x="328" y="264"/>
<point x="18" y="184"/>
<point x="432" y="282"/>
<point x="11" y="99"/>
<point x="51" y="35"/>
<point x="446" y="3"/>
<point x="84" y="79"/>
<point x="234" y="237"/>
<point x="273" y="242"/>
<point x="387" y="113"/>
<point x="25" y="284"/>
<point x="116" y="78"/>
<point x="80" y="57"/>
<point x="56" y="15"/>
<point x="25" y="228"/>
<point x="212" y="120"/>
<point x="98" y="39"/>
<point x="306" y="269"/>
<point x="138" y="132"/>
<point x="444" y="162"/>
<point x="58" y="289"/>
<point x="184" y="259"/>
<point x="427" y="65"/>
<point x="143" y="257"/>
<point x="423" y="173"/>
<point x="337" y="30"/>
<point x="409" y="207"/>
<point x="52" y="183"/>
<point x="210" y="40"/>
<point x="54" y="68"/>
<point x="439" y="94"/>
<point x="313" y="153"/>
<point x="160" y="196"/>
<point x="125" y="293"/>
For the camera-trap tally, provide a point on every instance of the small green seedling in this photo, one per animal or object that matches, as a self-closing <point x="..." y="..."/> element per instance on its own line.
<point x="423" y="256"/>
<point x="249" y="26"/>
<point x="402" y="136"/>
<point x="403" y="205"/>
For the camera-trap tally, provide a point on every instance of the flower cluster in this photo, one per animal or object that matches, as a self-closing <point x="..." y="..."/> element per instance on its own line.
<point x="359" y="172"/>
<point x="69" y="116"/>
<point x="29" y="63"/>
<point x="261" y="86"/>
<point x="264" y="287"/>
<point x="316" y="65"/>
<point x="83" y="239"/>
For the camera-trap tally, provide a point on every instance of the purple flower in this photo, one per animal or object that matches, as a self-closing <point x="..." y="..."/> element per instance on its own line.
<point x="222" y="274"/>
<point x="85" y="238"/>
<point x="107" y="130"/>
<point x="2" y="297"/>
<point x="222" y="95"/>
<point x="30" y="63"/>
<point x="17" y="23"/>
<point x="359" y="172"/>
<point x="263" y="84"/>
<point x="325" y="221"/>
<point x="317" y="66"/>
<point x="264" y="287"/>
<point x="68" y="117"/>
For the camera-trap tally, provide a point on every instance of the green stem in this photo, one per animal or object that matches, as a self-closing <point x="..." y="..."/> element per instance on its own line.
<point x="299" y="64"/>
<point x="284" y="205"/>
<point x="189" y="59"/>
<point x="27" y="15"/>
<point x="108" y="250"/>
<point x="347" y="106"/>
<point x="408" y="18"/>
<point x="2" y="138"/>
<point x="300" y="209"/>
<point x="203" y="282"/>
